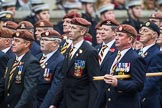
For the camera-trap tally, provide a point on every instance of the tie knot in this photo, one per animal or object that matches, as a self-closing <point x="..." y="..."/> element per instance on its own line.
<point x="44" y="57"/>
<point x="119" y="53"/>
<point x="104" y="46"/>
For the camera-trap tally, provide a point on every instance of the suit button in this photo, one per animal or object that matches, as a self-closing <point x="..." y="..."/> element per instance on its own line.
<point x="8" y="105"/>
<point x="108" y="89"/>
<point x="8" y="94"/>
<point x="143" y="100"/>
<point x="109" y="99"/>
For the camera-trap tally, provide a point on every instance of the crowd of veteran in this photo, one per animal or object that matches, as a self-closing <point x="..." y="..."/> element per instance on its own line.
<point x="46" y="65"/>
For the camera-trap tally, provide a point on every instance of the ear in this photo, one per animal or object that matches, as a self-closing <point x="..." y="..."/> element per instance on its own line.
<point x="130" y="39"/>
<point x="154" y="35"/>
<point x="83" y="31"/>
<point x="27" y="44"/>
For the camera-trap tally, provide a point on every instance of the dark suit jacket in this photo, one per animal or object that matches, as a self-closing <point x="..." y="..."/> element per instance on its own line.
<point x="150" y="96"/>
<point x="127" y="93"/>
<point x="10" y="54"/>
<point x="3" y="63"/>
<point x="48" y="86"/>
<point x="22" y="90"/>
<point x="103" y="70"/>
<point x="35" y="49"/>
<point x="79" y="89"/>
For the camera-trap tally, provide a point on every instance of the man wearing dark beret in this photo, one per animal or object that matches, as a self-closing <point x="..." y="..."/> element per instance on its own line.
<point x="6" y="41"/>
<point x="150" y="95"/>
<point x="22" y="73"/>
<point x="106" y="49"/>
<point x="156" y="18"/>
<point x="26" y="25"/>
<point x="66" y="27"/>
<point x="51" y="62"/>
<point x="124" y="93"/>
<point x="10" y="25"/>
<point x="81" y="62"/>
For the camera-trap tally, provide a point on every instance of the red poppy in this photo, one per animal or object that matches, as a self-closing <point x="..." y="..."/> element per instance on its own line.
<point x="112" y="50"/>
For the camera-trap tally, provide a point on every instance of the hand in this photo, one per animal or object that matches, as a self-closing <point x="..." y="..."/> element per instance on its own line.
<point x="52" y="106"/>
<point x="109" y="79"/>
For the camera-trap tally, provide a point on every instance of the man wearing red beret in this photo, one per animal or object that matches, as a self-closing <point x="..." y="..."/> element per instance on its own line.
<point x="51" y="62"/>
<point x="22" y="73"/>
<point x="124" y="93"/>
<point x="81" y="62"/>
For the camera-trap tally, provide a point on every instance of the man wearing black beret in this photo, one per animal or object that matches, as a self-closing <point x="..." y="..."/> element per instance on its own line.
<point x="150" y="96"/>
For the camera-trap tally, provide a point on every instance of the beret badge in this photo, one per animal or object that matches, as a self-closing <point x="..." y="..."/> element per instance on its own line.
<point x="120" y="28"/>
<point x="148" y="24"/>
<point x="22" y="25"/>
<point x="47" y="33"/>
<point x="17" y="34"/>
<point x="41" y="23"/>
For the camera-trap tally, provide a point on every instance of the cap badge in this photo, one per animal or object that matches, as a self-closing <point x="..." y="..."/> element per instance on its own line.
<point x="108" y="22"/>
<point x="22" y="25"/>
<point x="148" y="24"/>
<point x="17" y="34"/>
<point x="47" y="33"/>
<point x="8" y="16"/>
<point x="41" y="23"/>
<point x="120" y="28"/>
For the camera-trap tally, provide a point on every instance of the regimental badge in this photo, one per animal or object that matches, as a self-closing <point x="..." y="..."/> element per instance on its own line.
<point x="148" y="24"/>
<point x="8" y="16"/>
<point x="47" y="75"/>
<point x="78" y="68"/>
<point x="120" y="28"/>
<point x="80" y="51"/>
<point x="41" y="23"/>
<point x="108" y="22"/>
<point x="19" y="75"/>
<point x="22" y="25"/>
<point x="17" y="34"/>
<point x="47" y="33"/>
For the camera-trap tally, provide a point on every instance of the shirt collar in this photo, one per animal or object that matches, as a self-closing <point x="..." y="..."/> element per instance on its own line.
<point x="50" y="54"/>
<point x="20" y="57"/>
<point x="147" y="47"/>
<point x="77" y="46"/>
<point x="6" y="49"/>
<point x="109" y="44"/>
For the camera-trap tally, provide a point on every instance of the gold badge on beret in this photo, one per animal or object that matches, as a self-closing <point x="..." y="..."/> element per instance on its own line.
<point x="120" y="28"/>
<point x="22" y="25"/>
<point x="8" y="15"/>
<point x="47" y="33"/>
<point x="17" y="34"/>
<point x="147" y="24"/>
<point x="41" y="23"/>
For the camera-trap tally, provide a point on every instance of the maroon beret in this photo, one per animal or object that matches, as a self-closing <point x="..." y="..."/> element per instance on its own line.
<point x="6" y="33"/>
<point x="71" y="15"/>
<point x="98" y="26"/>
<point x="127" y="29"/>
<point x="81" y="22"/>
<point x="156" y="15"/>
<point x="10" y="24"/>
<point x="43" y="23"/>
<point x="110" y="22"/>
<point x="51" y="34"/>
<point x="24" y="35"/>
<point x="25" y="25"/>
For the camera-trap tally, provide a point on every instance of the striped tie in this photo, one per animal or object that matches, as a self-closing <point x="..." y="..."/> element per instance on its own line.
<point x="43" y="60"/>
<point x="116" y="62"/>
<point x="71" y="52"/>
<point x="64" y="48"/>
<point x="14" y="66"/>
<point x="100" y="57"/>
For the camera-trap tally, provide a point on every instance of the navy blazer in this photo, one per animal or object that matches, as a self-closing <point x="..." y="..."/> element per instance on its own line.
<point x="48" y="86"/>
<point x="150" y="96"/>
<point x="22" y="90"/>
<point x="35" y="49"/>
<point x="127" y="93"/>
<point x="103" y="70"/>
<point x="79" y="89"/>
<point x="10" y="54"/>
